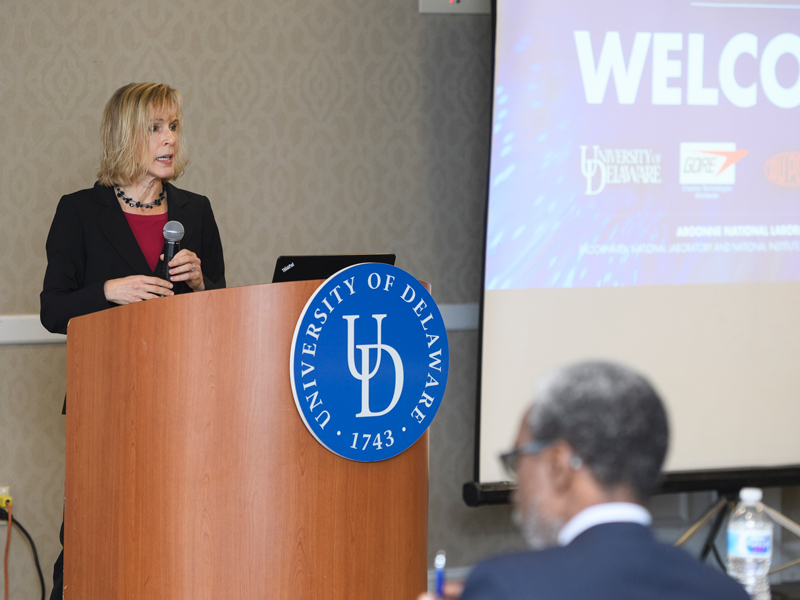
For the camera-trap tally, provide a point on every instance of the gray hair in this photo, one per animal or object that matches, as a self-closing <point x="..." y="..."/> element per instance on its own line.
<point x="611" y="417"/>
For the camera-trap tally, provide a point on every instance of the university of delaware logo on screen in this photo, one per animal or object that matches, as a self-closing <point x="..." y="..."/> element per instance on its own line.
<point x="369" y="362"/>
<point x="619" y="166"/>
<point x="709" y="163"/>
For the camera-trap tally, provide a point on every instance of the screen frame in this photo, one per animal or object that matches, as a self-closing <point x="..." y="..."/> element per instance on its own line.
<point x="477" y="449"/>
<point x="723" y="481"/>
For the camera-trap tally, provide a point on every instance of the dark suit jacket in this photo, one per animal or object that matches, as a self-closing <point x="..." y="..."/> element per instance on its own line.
<point x="91" y="242"/>
<point x="615" y="561"/>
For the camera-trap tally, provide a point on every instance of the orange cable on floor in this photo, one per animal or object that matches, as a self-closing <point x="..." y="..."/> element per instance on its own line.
<point x="8" y="544"/>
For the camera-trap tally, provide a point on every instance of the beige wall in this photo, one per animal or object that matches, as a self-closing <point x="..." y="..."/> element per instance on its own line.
<point x="314" y="126"/>
<point x="32" y="457"/>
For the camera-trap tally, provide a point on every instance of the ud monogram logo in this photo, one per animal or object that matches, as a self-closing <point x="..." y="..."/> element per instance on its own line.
<point x="364" y="375"/>
<point x="369" y="362"/>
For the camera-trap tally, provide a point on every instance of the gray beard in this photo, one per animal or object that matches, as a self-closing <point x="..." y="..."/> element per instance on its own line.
<point x="539" y="532"/>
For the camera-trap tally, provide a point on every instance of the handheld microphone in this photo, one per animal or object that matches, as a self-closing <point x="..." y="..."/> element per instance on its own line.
<point x="173" y="234"/>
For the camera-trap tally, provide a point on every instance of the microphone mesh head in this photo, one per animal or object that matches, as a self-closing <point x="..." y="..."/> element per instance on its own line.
<point x="173" y="231"/>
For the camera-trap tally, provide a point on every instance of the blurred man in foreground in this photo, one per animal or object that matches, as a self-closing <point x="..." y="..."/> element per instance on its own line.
<point x="588" y="454"/>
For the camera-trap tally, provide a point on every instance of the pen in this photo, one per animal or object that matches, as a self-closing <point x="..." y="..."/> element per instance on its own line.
<point x="438" y="565"/>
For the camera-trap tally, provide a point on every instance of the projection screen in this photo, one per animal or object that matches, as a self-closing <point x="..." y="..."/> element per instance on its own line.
<point x="644" y="207"/>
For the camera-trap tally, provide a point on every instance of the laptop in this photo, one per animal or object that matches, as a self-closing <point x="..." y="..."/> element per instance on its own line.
<point x="322" y="266"/>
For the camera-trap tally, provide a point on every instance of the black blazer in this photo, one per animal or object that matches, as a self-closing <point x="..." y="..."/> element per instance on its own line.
<point x="91" y="242"/>
<point x="614" y="561"/>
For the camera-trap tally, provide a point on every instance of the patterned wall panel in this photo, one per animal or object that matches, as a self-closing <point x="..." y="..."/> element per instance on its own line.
<point x="313" y="126"/>
<point x="32" y="457"/>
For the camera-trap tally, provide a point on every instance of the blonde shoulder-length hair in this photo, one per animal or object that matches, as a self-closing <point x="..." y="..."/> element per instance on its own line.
<point x="126" y="128"/>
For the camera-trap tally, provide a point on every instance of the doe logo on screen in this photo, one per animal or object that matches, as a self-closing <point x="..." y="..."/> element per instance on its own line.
<point x="369" y="362"/>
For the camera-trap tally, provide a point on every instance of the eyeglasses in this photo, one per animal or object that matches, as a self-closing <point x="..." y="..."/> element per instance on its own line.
<point x="511" y="459"/>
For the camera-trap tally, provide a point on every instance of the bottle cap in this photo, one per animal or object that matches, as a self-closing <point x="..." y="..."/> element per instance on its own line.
<point x="751" y="495"/>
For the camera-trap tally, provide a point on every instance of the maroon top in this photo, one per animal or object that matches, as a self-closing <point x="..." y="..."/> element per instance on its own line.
<point x="149" y="232"/>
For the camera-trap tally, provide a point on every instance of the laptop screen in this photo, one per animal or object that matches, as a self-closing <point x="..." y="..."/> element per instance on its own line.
<point x="321" y="266"/>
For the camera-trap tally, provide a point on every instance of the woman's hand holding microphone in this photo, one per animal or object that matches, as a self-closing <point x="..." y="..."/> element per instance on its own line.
<point x="185" y="266"/>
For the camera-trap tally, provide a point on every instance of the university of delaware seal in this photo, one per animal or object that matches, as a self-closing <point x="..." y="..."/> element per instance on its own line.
<point x="369" y="362"/>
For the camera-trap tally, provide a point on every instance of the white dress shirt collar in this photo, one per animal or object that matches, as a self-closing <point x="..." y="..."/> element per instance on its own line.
<point x="599" y="514"/>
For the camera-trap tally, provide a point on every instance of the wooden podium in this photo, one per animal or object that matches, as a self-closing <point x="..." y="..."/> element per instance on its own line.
<point x="190" y="475"/>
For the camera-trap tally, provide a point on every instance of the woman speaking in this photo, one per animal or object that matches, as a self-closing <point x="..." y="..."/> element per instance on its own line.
<point x="105" y="243"/>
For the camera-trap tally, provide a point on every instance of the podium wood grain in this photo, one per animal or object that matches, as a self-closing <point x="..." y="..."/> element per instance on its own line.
<point x="190" y="475"/>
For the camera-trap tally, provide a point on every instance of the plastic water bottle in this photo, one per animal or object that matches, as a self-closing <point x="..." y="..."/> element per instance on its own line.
<point x="750" y="544"/>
